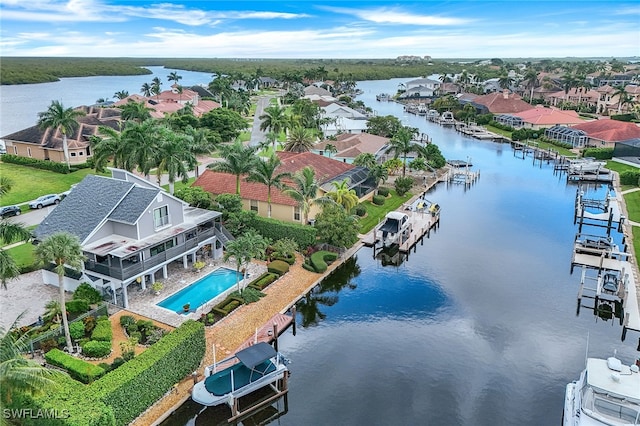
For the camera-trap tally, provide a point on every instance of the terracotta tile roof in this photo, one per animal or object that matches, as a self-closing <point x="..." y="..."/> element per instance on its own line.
<point x="325" y="168"/>
<point x="349" y="144"/>
<point x="502" y="103"/>
<point x="168" y="102"/>
<point x="224" y="183"/>
<point x="610" y="130"/>
<point x="543" y="116"/>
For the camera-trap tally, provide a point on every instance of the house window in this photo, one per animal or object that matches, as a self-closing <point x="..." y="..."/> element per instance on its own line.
<point x="80" y="153"/>
<point x="29" y="152"/>
<point x="73" y="154"/>
<point x="15" y="150"/>
<point x="155" y="250"/>
<point x="161" y="217"/>
<point x="254" y="205"/>
<point x="296" y="214"/>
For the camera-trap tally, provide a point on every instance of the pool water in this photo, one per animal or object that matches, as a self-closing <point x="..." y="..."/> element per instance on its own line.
<point x="203" y="290"/>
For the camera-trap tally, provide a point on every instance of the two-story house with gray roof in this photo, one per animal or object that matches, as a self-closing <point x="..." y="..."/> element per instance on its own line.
<point x="130" y="230"/>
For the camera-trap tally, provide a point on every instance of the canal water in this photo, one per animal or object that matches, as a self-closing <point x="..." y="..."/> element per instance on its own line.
<point x="478" y="326"/>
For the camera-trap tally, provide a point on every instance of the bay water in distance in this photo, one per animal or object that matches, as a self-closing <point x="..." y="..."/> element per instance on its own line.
<point x="478" y="326"/>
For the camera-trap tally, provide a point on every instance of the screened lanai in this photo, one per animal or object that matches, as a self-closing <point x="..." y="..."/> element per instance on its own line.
<point x="628" y="150"/>
<point x="577" y="138"/>
<point x="509" y="120"/>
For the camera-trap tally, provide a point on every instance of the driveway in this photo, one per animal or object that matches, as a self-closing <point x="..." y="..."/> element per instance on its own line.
<point x="32" y="217"/>
<point x="258" y="135"/>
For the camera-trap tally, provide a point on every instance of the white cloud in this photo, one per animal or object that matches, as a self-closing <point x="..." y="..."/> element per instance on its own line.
<point x="395" y="16"/>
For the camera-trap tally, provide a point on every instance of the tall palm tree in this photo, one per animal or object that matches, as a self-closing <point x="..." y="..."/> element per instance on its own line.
<point x="174" y="157"/>
<point x="65" y="120"/>
<point x="623" y="97"/>
<point x="237" y="160"/>
<point x="304" y="191"/>
<point x="200" y="141"/>
<point x="299" y="140"/>
<point x="140" y="141"/>
<point x="156" y="86"/>
<point x="10" y="232"/>
<point x="108" y="145"/>
<point x="146" y="90"/>
<point x="366" y="159"/>
<point x="173" y="76"/>
<point x="343" y="195"/>
<point x="274" y="119"/>
<point x="121" y="94"/>
<point x="17" y="373"/>
<point x="265" y="172"/>
<point x="61" y="249"/>
<point x="243" y="249"/>
<point x="531" y="79"/>
<point x="402" y="144"/>
<point x="330" y="149"/>
<point x="136" y="111"/>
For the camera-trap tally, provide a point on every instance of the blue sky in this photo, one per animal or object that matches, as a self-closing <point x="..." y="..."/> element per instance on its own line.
<point x="319" y="29"/>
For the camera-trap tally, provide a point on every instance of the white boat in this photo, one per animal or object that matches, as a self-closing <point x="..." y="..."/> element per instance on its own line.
<point x="395" y="227"/>
<point x="383" y="97"/>
<point x="587" y="165"/>
<point x="248" y="370"/>
<point x="447" y="119"/>
<point x="607" y="393"/>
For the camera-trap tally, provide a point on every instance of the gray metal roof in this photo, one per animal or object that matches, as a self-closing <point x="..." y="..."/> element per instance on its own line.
<point x="133" y="205"/>
<point x="88" y="204"/>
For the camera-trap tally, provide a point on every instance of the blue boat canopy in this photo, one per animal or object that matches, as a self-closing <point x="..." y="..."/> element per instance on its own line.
<point x="256" y="354"/>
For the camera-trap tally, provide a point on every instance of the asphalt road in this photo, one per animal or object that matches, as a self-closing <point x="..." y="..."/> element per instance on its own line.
<point x="32" y="217"/>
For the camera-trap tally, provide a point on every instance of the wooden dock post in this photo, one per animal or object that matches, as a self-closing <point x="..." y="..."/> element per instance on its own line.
<point x="275" y="336"/>
<point x="293" y="314"/>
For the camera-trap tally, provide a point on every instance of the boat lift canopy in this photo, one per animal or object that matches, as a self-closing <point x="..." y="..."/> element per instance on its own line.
<point x="256" y="354"/>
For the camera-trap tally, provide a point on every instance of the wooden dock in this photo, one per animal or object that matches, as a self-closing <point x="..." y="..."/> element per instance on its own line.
<point x="270" y="330"/>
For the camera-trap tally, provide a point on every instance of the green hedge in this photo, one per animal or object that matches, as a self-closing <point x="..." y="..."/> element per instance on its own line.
<point x="290" y="260"/>
<point x="273" y="229"/>
<point x="77" y="306"/>
<point x="133" y="387"/>
<point x="263" y="281"/>
<point x="599" y="153"/>
<point x="96" y="349"/>
<point x="279" y="267"/>
<point x="320" y="259"/>
<point x="88" y="293"/>
<point x="384" y="191"/>
<point x="630" y="177"/>
<point x="78" y="369"/>
<point x="378" y="200"/>
<point x="227" y="305"/>
<point x="102" y="331"/>
<point x="76" y="330"/>
<point x="37" y="164"/>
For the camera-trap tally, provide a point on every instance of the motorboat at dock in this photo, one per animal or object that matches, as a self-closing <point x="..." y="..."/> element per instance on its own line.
<point x="395" y="228"/>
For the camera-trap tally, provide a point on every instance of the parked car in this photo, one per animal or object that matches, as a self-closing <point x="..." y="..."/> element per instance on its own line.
<point x="8" y="211"/>
<point x="45" y="200"/>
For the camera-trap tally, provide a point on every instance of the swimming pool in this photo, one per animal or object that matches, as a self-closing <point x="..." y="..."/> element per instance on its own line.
<point x="203" y="290"/>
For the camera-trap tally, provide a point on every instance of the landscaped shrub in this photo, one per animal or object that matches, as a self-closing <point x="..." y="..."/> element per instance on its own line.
<point x="403" y="185"/>
<point x="630" y="177"/>
<point x="227" y="305"/>
<point x="263" y="281"/>
<point x="384" y="191"/>
<point x="89" y="324"/>
<point x="76" y="330"/>
<point x="77" y="306"/>
<point x="36" y="164"/>
<point x="378" y="200"/>
<point x="133" y="387"/>
<point x="96" y="349"/>
<point x="598" y="153"/>
<point x="278" y="267"/>
<point x="47" y="345"/>
<point x="360" y="210"/>
<point x="320" y="259"/>
<point x="102" y="331"/>
<point x="275" y="229"/>
<point x="127" y="320"/>
<point x="308" y="267"/>
<point x="290" y="259"/>
<point x="78" y="369"/>
<point x="251" y="295"/>
<point x="88" y="293"/>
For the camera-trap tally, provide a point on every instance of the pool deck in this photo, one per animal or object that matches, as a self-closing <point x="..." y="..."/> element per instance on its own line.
<point x="143" y="302"/>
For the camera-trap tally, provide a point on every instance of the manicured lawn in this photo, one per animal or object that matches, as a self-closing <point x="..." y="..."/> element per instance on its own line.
<point x="619" y="167"/>
<point x="376" y="213"/>
<point x="179" y="184"/>
<point x="30" y="183"/>
<point x="22" y="254"/>
<point x="632" y="200"/>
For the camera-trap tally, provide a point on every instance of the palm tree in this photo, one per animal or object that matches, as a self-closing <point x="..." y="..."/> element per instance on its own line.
<point x="343" y="195"/>
<point x="305" y="190"/>
<point x="5" y="185"/>
<point x="146" y="90"/>
<point x="243" y="249"/>
<point x="61" y="249"/>
<point x="402" y="144"/>
<point x="121" y="94"/>
<point x="140" y="143"/>
<point x="623" y="97"/>
<point x="531" y="79"/>
<point x="200" y="141"/>
<point x="174" y="77"/>
<point x="299" y="140"/>
<point x="379" y="173"/>
<point x="366" y="159"/>
<point x="17" y="373"/>
<point x="274" y="119"/>
<point x="237" y="160"/>
<point x="174" y="157"/>
<point x="330" y="149"/>
<point x="136" y="111"/>
<point x="9" y="233"/>
<point x="505" y="81"/>
<point x="63" y="119"/>
<point x="156" y="86"/>
<point x="265" y="172"/>
<point x="108" y="145"/>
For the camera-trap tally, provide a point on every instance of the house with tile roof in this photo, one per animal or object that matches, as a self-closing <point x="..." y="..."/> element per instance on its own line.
<point x="576" y="96"/>
<point x="350" y="145"/>
<point x="171" y="101"/>
<point x="340" y="118"/>
<point x="605" y="133"/>
<point x="541" y="117"/>
<point x="130" y="233"/>
<point x="255" y="197"/>
<point x="500" y="103"/>
<point x="609" y="100"/>
<point x="46" y="144"/>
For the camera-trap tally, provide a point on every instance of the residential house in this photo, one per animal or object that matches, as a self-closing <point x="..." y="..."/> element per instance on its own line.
<point x="500" y="103"/>
<point x="47" y="144"/>
<point x="315" y="90"/>
<point x="540" y="117"/>
<point x="491" y="85"/>
<point x="609" y="101"/>
<point x="576" y="96"/>
<point x="420" y="88"/>
<point x="605" y="133"/>
<point x="349" y="146"/>
<point x="338" y="118"/>
<point x="255" y="196"/>
<point x="170" y="101"/>
<point x="130" y="230"/>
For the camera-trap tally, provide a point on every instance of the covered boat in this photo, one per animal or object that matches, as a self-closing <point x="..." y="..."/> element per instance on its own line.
<point x="247" y="371"/>
<point x="395" y="226"/>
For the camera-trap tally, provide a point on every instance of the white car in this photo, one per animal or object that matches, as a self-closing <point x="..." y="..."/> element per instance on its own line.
<point x="45" y="200"/>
